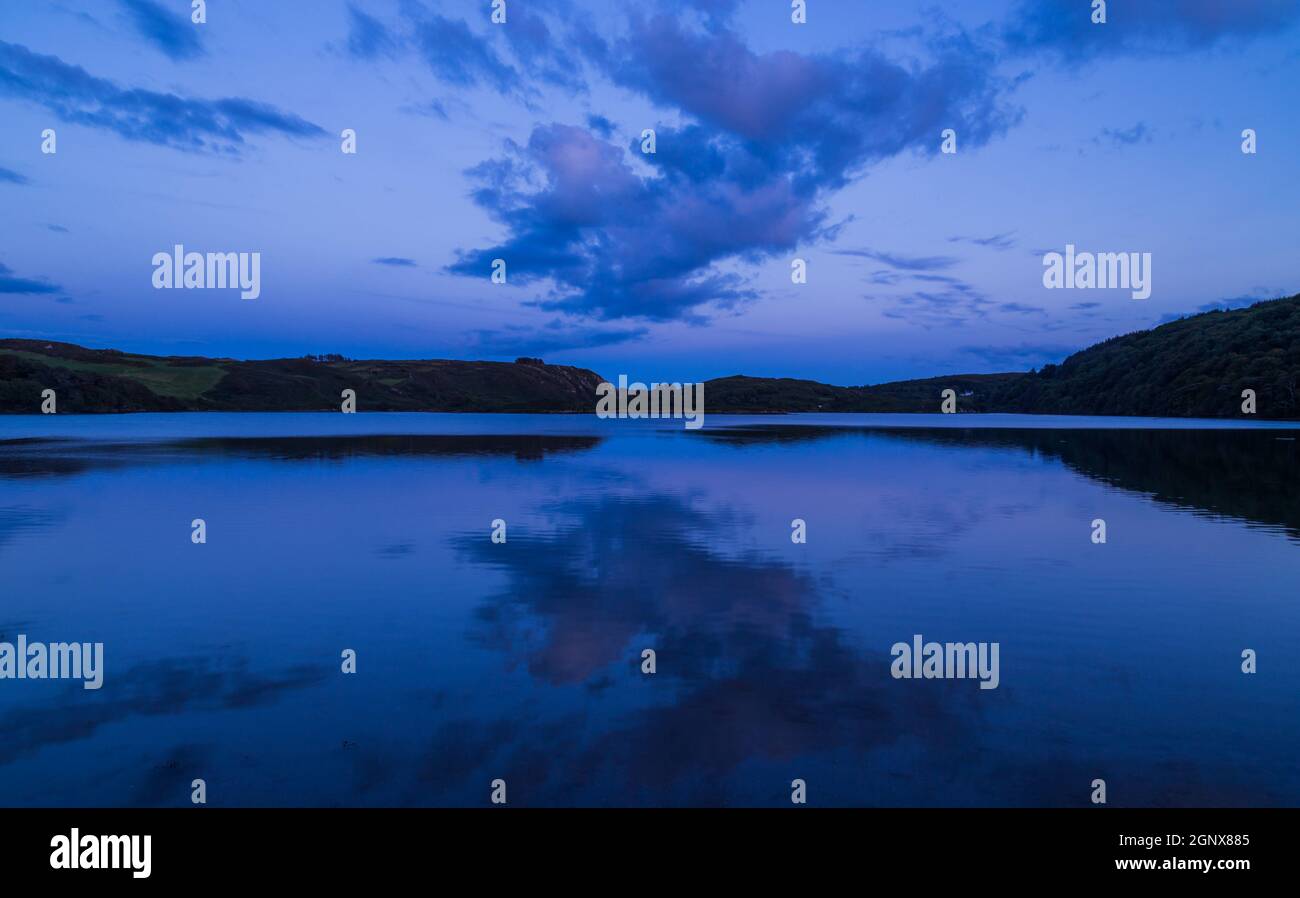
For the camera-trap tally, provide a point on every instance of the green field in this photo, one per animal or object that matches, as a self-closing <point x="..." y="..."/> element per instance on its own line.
<point x="177" y="381"/>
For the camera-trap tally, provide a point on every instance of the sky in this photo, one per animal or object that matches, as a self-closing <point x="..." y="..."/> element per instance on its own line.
<point x="775" y="141"/>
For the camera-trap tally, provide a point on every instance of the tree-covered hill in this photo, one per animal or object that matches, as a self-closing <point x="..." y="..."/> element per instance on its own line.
<point x="1193" y="367"/>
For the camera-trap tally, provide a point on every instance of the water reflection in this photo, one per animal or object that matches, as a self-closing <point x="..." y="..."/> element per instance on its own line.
<point x="521" y="660"/>
<point x="1244" y="474"/>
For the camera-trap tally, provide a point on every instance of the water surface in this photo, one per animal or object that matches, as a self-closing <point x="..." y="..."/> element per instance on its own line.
<point x="522" y="661"/>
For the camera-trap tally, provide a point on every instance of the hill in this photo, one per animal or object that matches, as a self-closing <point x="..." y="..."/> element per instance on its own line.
<point x="1194" y="367"/>
<point x="780" y="394"/>
<point x="105" y="380"/>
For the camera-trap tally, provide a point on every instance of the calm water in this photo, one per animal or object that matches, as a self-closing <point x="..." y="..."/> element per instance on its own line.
<point x="521" y="661"/>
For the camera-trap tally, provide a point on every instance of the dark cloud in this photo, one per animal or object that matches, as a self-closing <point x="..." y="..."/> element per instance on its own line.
<point x="769" y="136"/>
<point x="936" y="278"/>
<point x="939" y="308"/>
<point x="996" y="241"/>
<point x="950" y="302"/>
<point x="537" y="51"/>
<point x="11" y="284"/>
<point x="76" y="96"/>
<point x="1139" y="133"/>
<point x="175" y="35"/>
<point x="494" y="56"/>
<point x="368" y="38"/>
<point x="58" y="229"/>
<point x="822" y="117"/>
<point x="1018" y="308"/>
<point x="902" y="262"/>
<point x="429" y="109"/>
<point x="8" y="176"/>
<point x="617" y="244"/>
<point x="884" y="277"/>
<point x="600" y="126"/>
<point x="458" y="56"/>
<point x="394" y="261"/>
<point x="1065" y="27"/>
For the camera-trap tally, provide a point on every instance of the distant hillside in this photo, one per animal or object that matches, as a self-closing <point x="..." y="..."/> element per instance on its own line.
<point x="105" y="380"/>
<point x="768" y="394"/>
<point x="1194" y="367"/>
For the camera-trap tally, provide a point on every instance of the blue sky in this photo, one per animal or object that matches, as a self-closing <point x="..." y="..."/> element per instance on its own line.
<point x="521" y="141"/>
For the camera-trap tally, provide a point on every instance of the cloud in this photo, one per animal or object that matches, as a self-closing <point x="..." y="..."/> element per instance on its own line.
<point x="538" y="53"/>
<point x="822" y="116"/>
<point x="717" y="13"/>
<point x="11" y="284"/>
<point x="902" y="262"/>
<point x="1065" y="28"/>
<point x="429" y="109"/>
<point x="884" y="277"/>
<point x="76" y="96"/>
<point x="996" y="241"/>
<point x="616" y="244"/>
<point x="555" y="337"/>
<point x="395" y="262"/>
<point x="8" y="176"/>
<point x="58" y="229"/>
<point x="953" y="302"/>
<point x="1139" y="133"/>
<point x="368" y="38"/>
<point x="947" y="301"/>
<point x="600" y="126"/>
<point x="1018" y="308"/>
<point x="458" y="56"/>
<point x="174" y="35"/>
<point x="462" y="57"/>
<point x="767" y="137"/>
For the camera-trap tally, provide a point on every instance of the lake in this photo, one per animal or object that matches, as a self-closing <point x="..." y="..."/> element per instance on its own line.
<point x="522" y="660"/>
